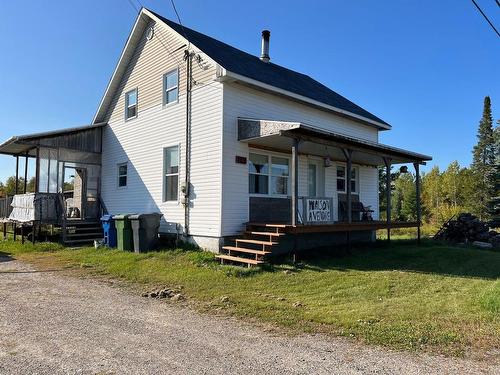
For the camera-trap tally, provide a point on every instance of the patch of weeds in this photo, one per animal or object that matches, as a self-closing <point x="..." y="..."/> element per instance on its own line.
<point x="490" y="299"/>
<point x="16" y="247"/>
<point x="238" y="271"/>
<point x="201" y="258"/>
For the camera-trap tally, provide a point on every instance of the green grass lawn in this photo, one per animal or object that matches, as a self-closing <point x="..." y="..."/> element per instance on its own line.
<point x="432" y="297"/>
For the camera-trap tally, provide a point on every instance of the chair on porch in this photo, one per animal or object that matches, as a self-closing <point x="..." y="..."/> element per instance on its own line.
<point x="360" y="212"/>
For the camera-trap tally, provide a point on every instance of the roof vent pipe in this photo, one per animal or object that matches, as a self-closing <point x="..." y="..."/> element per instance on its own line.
<point x="266" y="34"/>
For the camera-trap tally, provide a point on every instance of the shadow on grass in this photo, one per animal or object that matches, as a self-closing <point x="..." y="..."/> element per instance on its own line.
<point x="430" y="257"/>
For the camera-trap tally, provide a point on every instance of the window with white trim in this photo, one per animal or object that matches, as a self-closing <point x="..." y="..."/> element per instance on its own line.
<point x="122" y="174"/>
<point x="279" y="175"/>
<point x="131" y="104"/>
<point x="171" y="87"/>
<point x="171" y="174"/>
<point x="268" y="175"/>
<point x="341" y="179"/>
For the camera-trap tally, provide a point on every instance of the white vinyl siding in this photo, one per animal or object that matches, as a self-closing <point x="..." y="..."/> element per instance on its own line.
<point x="158" y="127"/>
<point x="368" y="188"/>
<point x="244" y="102"/>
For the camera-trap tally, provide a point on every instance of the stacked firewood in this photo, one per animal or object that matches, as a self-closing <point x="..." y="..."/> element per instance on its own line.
<point x="467" y="228"/>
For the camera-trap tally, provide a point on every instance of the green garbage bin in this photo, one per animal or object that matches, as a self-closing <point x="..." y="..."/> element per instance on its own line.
<point x="145" y="229"/>
<point x="123" y="232"/>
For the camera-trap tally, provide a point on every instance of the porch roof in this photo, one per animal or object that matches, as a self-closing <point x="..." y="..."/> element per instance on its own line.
<point x="83" y="138"/>
<point x="278" y="136"/>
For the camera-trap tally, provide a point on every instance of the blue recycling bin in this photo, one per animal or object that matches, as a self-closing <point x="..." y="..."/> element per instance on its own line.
<point x="109" y="229"/>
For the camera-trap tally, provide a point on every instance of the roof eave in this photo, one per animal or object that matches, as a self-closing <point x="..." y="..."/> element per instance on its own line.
<point x="225" y="74"/>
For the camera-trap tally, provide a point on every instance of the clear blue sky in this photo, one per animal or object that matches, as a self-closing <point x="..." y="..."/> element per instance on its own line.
<point x="423" y="66"/>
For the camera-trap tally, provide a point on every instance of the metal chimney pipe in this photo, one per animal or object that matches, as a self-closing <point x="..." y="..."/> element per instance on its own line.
<point x="266" y="34"/>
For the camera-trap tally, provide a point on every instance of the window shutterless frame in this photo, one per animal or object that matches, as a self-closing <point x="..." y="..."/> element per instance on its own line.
<point x="273" y="179"/>
<point x="343" y="179"/>
<point x="131" y="104"/>
<point x="171" y="87"/>
<point x="171" y="176"/>
<point x="122" y="175"/>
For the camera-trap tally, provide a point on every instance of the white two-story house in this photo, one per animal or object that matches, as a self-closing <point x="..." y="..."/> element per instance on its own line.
<point x="222" y="142"/>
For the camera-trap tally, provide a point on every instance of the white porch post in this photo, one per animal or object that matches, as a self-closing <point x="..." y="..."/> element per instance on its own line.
<point x="295" y="181"/>
<point x="417" y="193"/>
<point x="387" y="162"/>
<point x="348" y="157"/>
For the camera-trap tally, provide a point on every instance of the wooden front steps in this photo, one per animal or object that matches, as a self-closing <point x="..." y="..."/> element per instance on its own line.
<point x="82" y="232"/>
<point x="251" y="249"/>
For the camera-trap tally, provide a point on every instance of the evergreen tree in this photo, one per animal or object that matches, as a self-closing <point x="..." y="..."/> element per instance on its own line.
<point x="484" y="150"/>
<point x="495" y="201"/>
<point x="483" y="164"/>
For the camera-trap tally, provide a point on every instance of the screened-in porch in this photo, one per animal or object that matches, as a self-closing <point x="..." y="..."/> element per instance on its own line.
<point x="66" y="166"/>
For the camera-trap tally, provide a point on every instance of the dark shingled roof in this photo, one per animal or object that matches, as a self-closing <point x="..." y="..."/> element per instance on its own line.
<point x="245" y="64"/>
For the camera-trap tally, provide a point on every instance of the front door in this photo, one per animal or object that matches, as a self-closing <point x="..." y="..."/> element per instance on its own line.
<point x="74" y="191"/>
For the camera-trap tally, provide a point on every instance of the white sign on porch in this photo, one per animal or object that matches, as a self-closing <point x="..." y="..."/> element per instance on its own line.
<point x="318" y="210"/>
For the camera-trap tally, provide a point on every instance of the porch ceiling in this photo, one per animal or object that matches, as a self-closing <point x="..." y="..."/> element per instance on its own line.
<point x="279" y="135"/>
<point x="84" y="138"/>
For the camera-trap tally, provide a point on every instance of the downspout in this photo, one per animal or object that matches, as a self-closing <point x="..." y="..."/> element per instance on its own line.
<point x="188" y="56"/>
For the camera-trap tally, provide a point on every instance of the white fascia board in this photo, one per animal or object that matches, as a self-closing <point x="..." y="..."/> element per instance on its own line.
<point x="226" y="74"/>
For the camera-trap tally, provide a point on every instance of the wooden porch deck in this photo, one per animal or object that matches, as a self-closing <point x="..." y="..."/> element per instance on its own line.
<point x="259" y="241"/>
<point x="338" y="226"/>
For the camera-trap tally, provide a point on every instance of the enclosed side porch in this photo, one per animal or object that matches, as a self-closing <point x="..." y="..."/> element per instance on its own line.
<point x="65" y="170"/>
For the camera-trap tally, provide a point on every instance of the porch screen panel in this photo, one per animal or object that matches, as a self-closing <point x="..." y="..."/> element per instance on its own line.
<point x="52" y="183"/>
<point x="43" y="179"/>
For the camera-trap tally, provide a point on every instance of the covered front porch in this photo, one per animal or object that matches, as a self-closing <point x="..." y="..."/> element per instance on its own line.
<point x="66" y="168"/>
<point x="311" y="188"/>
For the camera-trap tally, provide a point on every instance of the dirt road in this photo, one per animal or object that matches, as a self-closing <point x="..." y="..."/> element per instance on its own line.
<point x="56" y="324"/>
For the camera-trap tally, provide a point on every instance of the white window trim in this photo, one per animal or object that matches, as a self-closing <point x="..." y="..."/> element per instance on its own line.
<point x="136" y="104"/>
<point x="119" y="175"/>
<point x="164" y="175"/>
<point x="354" y="168"/>
<point x="269" y="175"/>
<point x="165" y="104"/>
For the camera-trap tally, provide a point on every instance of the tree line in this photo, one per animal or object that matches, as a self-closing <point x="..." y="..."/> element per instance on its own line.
<point x="445" y="193"/>
<point x="9" y="187"/>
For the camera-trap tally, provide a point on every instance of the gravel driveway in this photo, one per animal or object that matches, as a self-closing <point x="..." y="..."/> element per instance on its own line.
<point x="56" y="324"/>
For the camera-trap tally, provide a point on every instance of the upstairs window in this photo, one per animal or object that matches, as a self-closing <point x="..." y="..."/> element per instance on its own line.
<point x="341" y="179"/>
<point x="171" y="87"/>
<point x="131" y="104"/>
<point x="171" y="174"/>
<point x="122" y="174"/>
